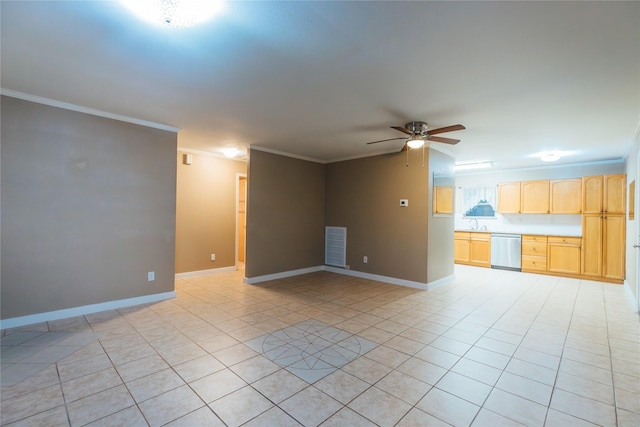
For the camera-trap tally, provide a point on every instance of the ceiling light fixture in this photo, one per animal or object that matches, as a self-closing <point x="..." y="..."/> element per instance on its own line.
<point x="416" y="141"/>
<point x="175" y="13"/>
<point x="473" y="165"/>
<point x="550" y="157"/>
<point x="230" y="152"/>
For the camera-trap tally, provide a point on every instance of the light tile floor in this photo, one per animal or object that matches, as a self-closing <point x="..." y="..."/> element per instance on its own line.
<point x="491" y="348"/>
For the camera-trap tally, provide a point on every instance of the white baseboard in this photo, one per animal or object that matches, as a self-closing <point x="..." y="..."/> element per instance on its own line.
<point x="632" y="298"/>
<point x="281" y="275"/>
<point x="197" y="273"/>
<point x="49" y="316"/>
<point x="377" y="277"/>
<point x="353" y="273"/>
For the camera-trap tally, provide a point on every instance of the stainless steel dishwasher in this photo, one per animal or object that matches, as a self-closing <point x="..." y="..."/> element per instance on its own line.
<point x="506" y="250"/>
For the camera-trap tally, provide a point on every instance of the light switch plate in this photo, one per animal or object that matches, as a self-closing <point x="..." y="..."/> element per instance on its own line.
<point x="404" y="202"/>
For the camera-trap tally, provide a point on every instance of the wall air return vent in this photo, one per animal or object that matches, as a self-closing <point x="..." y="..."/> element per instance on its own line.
<point x="335" y="246"/>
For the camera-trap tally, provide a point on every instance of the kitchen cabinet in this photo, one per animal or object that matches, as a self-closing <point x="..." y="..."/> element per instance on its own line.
<point x="534" y="197"/>
<point x="603" y="246"/>
<point x="472" y="248"/>
<point x="615" y="192"/>
<point x="592" y="190"/>
<point x="613" y="242"/>
<point x="534" y="253"/>
<point x="566" y="196"/>
<point x="604" y="193"/>
<point x="563" y="255"/>
<point x="509" y="197"/>
<point x="443" y="199"/>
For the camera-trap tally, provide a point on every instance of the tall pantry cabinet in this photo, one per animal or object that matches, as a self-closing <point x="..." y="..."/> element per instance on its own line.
<point x="603" y="226"/>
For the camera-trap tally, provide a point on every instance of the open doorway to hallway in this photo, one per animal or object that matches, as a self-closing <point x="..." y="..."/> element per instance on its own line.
<point x="241" y="219"/>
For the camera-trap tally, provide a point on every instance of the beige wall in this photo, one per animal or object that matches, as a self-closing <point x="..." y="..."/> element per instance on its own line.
<point x="88" y="208"/>
<point x="206" y="212"/>
<point x="364" y="196"/>
<point x="285" y="214"/>
<point x="441" y="227"/>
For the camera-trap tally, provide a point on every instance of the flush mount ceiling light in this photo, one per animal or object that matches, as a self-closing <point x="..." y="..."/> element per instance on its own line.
<point x="550" y="156"/>
<point x="175" y="13"/>
<point x="472" y="165"/>
<point x="230" y="152"/>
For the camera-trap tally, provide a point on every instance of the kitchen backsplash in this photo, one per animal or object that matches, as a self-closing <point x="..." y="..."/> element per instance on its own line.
<point x="549" y="224"/>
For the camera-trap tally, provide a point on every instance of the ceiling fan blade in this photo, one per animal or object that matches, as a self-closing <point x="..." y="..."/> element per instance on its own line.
<point x="445" y="129"/>
<point x="444" y="140"/>
<point x="405" y="148"/>
<point x="401" y="129"/>
<point x="384" y="140"/>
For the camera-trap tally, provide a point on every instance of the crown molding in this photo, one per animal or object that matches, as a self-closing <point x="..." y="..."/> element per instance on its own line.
<point x="87" y="110"/>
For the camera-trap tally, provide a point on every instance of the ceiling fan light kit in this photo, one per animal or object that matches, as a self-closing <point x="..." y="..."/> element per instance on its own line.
<point x="419" y="135"/>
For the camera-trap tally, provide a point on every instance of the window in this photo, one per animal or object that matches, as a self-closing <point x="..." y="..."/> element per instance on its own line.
<point x="479" y="201"/>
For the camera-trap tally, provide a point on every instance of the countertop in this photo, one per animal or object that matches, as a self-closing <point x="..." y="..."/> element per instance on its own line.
<point x="547" y="231"/>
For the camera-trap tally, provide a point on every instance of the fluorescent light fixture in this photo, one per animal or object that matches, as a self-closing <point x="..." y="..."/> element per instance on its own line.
<point x="472" y="165"/>
<point x="230" y="152"/>
<point x="175" y="13"/>
<point x="416" y="141"/>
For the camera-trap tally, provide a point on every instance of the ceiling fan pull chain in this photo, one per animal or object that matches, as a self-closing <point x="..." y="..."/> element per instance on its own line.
<point x="423" y="155"/>
<point x="407" y="159"/>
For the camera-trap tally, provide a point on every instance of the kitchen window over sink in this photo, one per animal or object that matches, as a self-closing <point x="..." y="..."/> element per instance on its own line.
<point x="479" y="201"/>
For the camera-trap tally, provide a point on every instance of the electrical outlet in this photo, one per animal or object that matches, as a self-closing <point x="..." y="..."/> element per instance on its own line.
<point x="365" y="259"/>
<point x="213" y="257"/>
<point x="151" y="276"/>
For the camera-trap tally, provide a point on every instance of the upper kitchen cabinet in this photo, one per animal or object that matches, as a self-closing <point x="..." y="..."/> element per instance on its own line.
<point x="509" y="197"/>
<point x="604" y="194"/>
<point x="566" y="196"/>
<point x="443" y="199"/>
<point x="534" y="197"/>
<point x="592" y="190"/>
<point x="615" y="194"/>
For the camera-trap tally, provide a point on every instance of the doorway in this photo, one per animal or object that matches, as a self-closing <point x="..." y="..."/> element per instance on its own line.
<point x="241" y="220"/>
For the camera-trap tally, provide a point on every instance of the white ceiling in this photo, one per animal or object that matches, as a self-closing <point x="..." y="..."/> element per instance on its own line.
<point x="320" y="79"/>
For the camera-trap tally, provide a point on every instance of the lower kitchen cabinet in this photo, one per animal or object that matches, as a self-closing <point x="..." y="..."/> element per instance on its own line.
<point x="603" y="248"/>
<point x="563" y="255"/>
<point x="472" y="248"/>
<point x="534" y="253"/>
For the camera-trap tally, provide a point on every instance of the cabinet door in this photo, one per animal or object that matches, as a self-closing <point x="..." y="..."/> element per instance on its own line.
<point x="566" y="196"/>
<point x="443" y="199"/>
<point x="480" y="252"/>
<point x="613" y="252"/>
<point x="591" y="245"/>
<point x="615" y="194"/>
<point x="509" y="197"/>
<point x="461" y="249"/>
<point x="534" y="197"/>
<point x="592" y="190"/>
<point x="563" y="255"/>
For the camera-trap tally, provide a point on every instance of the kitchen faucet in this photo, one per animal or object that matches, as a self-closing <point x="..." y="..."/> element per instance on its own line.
<point x="476" y="220"/>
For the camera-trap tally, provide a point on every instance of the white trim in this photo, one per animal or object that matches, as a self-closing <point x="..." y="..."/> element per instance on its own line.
<point x="238" y="177"/>
<point x="87" y="110"/>
<point x="282" y="275"/>
<point x="362" y="275"/>
<point x="282" y="153"/>
<point x="198" y="273"/>
<point x="631" y="296"/>
<point x="49" y="316"/>
<point x="239" y="158"/>
<point x="386" y="279"/>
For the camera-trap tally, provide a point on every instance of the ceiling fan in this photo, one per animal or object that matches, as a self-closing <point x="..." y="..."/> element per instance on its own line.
<point x="418" y="135"/>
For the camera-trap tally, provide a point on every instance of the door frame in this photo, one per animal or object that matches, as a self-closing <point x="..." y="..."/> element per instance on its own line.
<point x="239" y="176"/>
